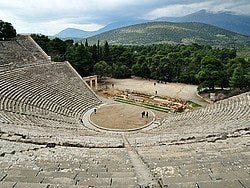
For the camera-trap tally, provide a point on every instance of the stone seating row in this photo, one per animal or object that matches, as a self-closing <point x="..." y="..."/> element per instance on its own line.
<point x="39" y="91"/>
<point x="43" y="166"/>
<point x="34" y="92"/>
<point x="30" y="45"/>
<point x="185" y="134"/>
<point x="224" y="106"/>
<point x="19" y="52"/>
<point x="12" y="54"/>
<point x="59" y="133"/>
<point x="10" y="117"/>
<point x="226" y="118"/>
<point x="202" y="164"/>
<point x="41" y="97"/>
<point x="232" y="109"/>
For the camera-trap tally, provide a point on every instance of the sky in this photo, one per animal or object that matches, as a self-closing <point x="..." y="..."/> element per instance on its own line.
<point x="51" y="16"/>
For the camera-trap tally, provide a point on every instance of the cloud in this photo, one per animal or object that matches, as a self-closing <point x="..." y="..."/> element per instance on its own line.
<point x="56" y="9"/>
<point x="175" y="10"/>
<point x="51" y="16"/>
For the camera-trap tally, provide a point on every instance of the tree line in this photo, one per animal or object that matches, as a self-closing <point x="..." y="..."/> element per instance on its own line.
<point x="7" y="31"/>
<point x="193" y="64"/>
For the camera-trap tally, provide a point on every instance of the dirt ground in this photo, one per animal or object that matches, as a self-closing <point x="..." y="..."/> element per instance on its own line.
<point x="184" y="91"/>
<point x="121" y="116"/>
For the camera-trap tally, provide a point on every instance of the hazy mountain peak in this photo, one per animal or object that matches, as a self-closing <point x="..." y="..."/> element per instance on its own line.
<point x="73" y="33"/>
<point x="226" y="20"/>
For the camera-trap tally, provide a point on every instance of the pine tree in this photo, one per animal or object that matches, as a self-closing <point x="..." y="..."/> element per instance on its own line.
<point x="98" y="50"/>
<point x="106" y="53"/>
<point x="238" y="79"/>
<point x="95" y="53"/>
<point x="86" y="43"/>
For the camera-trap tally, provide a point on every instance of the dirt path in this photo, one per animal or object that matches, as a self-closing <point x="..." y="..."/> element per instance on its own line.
<point x="184" y="91"/>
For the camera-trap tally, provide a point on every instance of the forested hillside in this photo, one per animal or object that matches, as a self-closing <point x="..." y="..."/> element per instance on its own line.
<point x="195" y="64"/>
<point x="172" y="33"/>
<point x="227" y="20"/>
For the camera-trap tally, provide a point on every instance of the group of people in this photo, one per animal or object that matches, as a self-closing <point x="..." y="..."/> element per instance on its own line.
<point x="144" y="114"/>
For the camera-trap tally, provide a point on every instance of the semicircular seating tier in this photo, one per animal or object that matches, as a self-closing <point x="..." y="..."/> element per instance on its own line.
<point x="225" y="118"/>
<point x="44" y="143"/>
<point x="38" y="99"/>
<point x="20" y="52"/>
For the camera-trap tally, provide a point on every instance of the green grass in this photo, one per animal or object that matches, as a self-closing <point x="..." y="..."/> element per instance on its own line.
<point x="148" y="106"/>
<point x="193" y="104"/>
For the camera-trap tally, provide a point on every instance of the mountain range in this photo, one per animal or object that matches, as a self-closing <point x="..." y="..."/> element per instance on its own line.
<point x="77" y="33"/>
<point x="226" y="20"/>
<point x="172" y="33"/>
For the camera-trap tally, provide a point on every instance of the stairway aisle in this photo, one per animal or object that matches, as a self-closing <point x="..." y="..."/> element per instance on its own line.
<point x="145" y="178"/>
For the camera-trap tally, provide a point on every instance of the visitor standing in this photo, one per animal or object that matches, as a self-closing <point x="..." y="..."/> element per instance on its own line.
<point x="143" y="114"/>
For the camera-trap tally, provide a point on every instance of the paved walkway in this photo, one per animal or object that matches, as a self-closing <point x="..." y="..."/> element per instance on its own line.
<point x="85" y="119"/>
<point x="145" y="178"/>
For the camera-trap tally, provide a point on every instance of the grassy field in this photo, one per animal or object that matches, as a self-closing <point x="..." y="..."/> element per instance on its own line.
<point x="193" y="104"/>
<point x="152" y="107"/>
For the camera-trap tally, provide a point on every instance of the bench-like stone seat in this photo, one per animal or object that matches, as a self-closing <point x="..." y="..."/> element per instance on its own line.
<point x="31" y="92"/>
<point x="65" y="166"/>
<point x="44" y="142"/>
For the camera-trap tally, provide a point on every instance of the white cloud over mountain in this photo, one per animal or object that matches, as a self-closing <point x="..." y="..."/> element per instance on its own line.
<point x="51" y="16"/>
